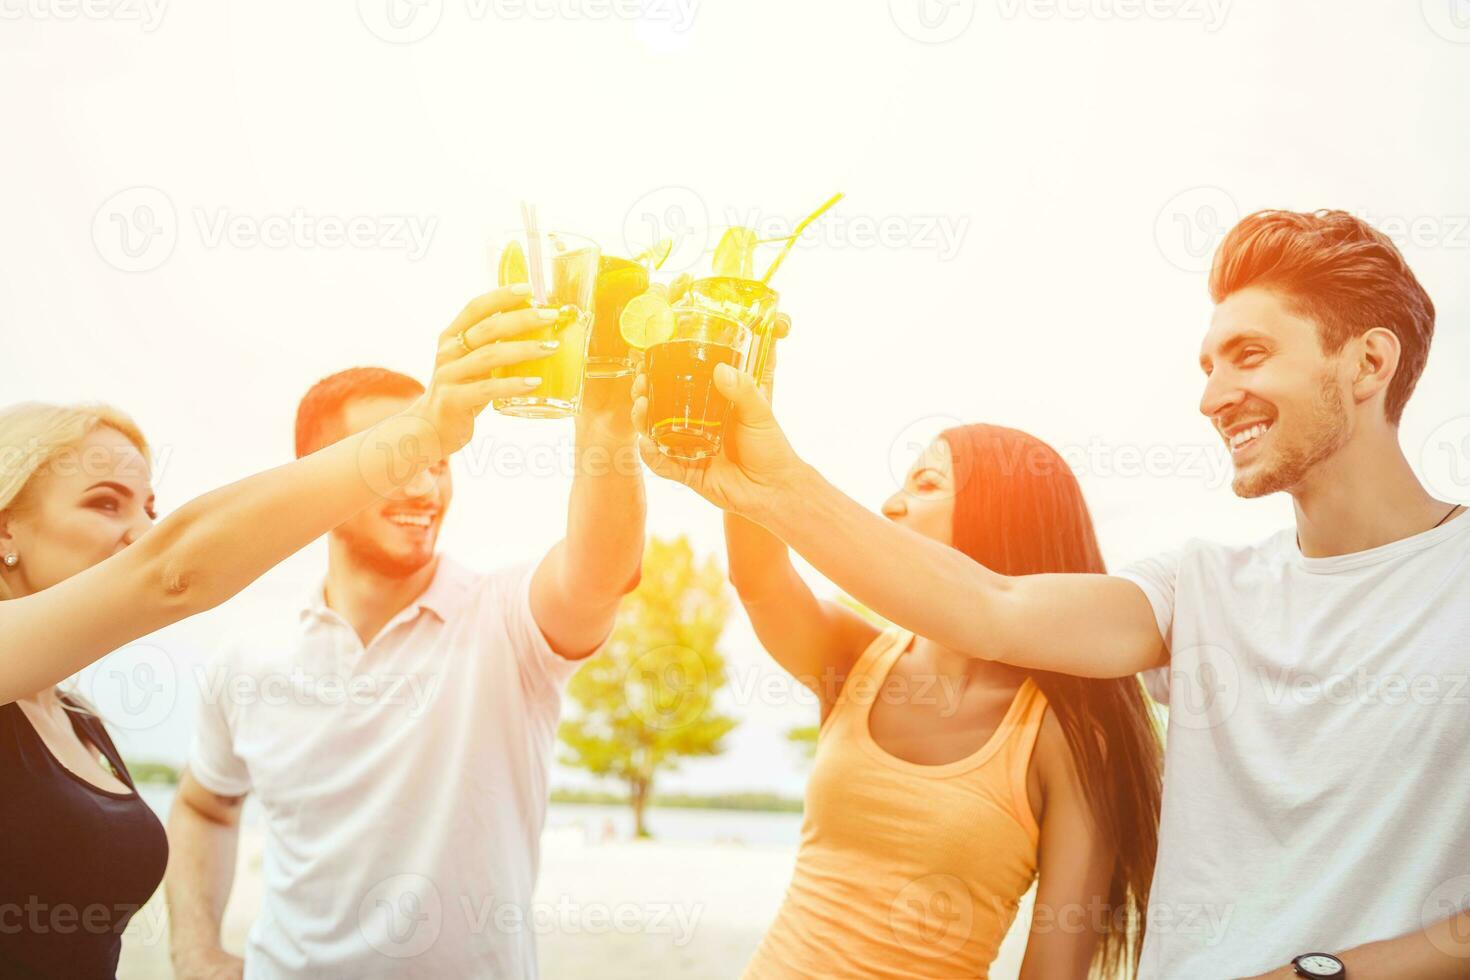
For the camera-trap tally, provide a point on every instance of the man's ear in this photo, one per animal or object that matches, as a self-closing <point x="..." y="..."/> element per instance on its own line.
<point x="1379" y="351"/>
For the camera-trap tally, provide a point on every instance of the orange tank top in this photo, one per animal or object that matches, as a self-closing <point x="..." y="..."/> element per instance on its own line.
<point x="905" y="870"/>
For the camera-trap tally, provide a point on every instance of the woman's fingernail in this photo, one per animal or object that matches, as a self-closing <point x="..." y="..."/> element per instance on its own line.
<point x="547" y="314"/>
<point x="550" y="344"/>
<point x="521" y="288"/>
<point x="531" y="382"/>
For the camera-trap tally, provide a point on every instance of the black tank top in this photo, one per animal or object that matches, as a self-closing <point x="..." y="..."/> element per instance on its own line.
<point x="75" y="861"/>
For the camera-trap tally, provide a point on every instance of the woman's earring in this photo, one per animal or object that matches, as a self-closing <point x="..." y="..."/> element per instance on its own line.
<point x="11" y="560"/>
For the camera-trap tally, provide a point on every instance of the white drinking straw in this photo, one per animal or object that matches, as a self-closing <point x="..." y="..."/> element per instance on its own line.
<point x="533" y="252"/>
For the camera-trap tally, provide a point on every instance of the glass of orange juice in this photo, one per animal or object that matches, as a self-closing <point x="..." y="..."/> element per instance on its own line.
<point x="561" y="269"/>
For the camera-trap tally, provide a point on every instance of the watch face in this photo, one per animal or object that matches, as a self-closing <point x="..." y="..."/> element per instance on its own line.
<point x="1321" y="966"/>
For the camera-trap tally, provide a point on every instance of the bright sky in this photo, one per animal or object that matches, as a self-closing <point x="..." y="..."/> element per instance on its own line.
<point x="1033" y="190"/>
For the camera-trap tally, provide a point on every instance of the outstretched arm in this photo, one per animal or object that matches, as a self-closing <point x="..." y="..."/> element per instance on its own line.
<point x="215" y="545"/>
<point x="576" y="589"/>
<point x="1089" y="625"/>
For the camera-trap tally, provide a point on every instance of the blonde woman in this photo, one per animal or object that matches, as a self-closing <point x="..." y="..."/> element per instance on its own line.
<point x="83" y="570"/>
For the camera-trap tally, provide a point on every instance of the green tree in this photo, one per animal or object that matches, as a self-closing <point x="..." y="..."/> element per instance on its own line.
<point x="646" y="702"/>
<point x="804" y="737"/>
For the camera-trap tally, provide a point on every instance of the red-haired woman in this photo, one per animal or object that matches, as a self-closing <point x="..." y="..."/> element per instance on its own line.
<point x="944" y="784"/>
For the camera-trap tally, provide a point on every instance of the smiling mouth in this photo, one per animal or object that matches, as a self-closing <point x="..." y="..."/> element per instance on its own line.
<point x="423" y="521"/>
<point x="1248" y="437"/>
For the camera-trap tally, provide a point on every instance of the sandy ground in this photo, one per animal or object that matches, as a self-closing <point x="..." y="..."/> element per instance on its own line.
<point x="696" y="910"/>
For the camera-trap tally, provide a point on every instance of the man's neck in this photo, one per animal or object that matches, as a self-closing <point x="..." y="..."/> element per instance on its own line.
<point x="1364" y="496"/>
<point x="367" y="598"/>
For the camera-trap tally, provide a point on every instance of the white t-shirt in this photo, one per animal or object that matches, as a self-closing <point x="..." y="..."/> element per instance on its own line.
<point x="1316" y="791"/>
<point x="403" y="785"/>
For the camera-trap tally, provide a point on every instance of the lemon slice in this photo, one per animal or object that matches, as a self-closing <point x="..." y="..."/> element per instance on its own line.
<point x="656" y="254"/>
<point x="512" y="265"/>
<point x="646" y="320"/>
<point x="680" y="287"/>
<point x="735" y="255"/>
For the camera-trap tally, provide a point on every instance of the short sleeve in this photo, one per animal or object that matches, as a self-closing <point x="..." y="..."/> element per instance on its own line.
<point x="1158" y="577"/>
<point x="212" y="758"/>
<point x="532" y="648"/>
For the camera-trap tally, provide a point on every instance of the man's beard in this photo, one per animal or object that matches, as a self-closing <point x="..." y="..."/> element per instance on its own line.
<point x="1324" y="432"/>
<point x="366" y="552"/>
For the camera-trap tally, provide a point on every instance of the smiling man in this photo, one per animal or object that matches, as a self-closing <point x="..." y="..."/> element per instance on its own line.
<point x="1316" y="821"/>
<point x="397" y="728"/>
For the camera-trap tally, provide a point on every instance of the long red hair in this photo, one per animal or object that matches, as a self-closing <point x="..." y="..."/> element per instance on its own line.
<point x="1019" y="510"/>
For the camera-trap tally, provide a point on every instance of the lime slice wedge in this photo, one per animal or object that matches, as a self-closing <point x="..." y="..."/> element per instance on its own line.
<point x="646" y="320"/>
<point x="656" y="254"/>
<point x="512" y="265"/>
<point x="735" y="255"/>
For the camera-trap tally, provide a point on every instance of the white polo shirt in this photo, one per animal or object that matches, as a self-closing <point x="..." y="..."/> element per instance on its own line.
<point x="403" y="785"/>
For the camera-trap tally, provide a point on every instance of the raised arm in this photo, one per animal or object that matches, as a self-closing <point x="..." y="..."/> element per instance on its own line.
<point x="576" y="589"/>
<point x="814" y="640"/>
<point x="1088" y="625"/>
<point x="215" y="545"/>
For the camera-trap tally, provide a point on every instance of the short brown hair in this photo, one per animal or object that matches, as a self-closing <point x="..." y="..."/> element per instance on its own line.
<point x="1339" y="271"/>
<point x="319" y="416"/>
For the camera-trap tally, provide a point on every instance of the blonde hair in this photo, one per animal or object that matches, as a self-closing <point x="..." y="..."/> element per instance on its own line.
<point x="32" y="434"/>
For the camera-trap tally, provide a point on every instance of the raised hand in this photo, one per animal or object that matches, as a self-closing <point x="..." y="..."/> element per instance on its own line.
<point x="469" y="350"/>
<point x="756" y="462"/>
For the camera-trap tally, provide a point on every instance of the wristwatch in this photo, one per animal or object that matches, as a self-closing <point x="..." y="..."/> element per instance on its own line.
<point x="1319" y="965"/>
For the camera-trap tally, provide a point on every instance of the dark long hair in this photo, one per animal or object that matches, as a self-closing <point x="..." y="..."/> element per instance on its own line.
<point x="1018" y="510"/>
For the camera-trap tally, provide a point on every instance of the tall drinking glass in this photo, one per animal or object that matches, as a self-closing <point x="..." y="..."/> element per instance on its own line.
<point x="562" y="271"/>
<point x="618" y="281"/>
<point x="686" y="412"/>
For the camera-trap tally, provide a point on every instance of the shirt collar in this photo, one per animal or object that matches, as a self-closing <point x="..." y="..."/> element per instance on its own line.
<point x="445" y="595"/>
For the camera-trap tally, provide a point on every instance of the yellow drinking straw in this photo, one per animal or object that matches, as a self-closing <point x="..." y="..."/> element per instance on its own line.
<point x="796" y="233"/>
